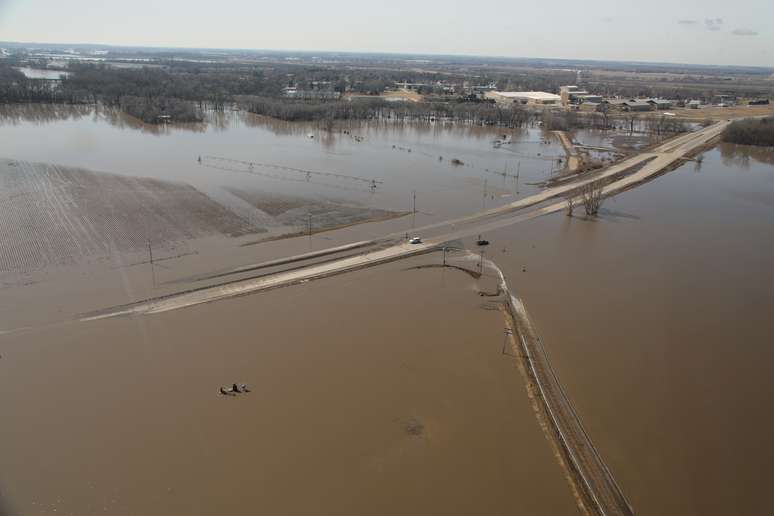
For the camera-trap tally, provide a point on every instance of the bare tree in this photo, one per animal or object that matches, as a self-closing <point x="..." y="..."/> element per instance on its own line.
<point x="570" y="205"/>
<point x="631" y="118"/>
<point x="591" y="194"/>
<point x="604" y="109"/>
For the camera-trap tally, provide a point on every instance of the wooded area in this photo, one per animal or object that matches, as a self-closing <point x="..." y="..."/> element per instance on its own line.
<point x="751" y="132"/>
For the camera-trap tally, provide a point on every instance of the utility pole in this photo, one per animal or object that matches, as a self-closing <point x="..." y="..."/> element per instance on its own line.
<point x="153" y="269"/>
<point x="444" y="256"/>
<point x="310" y="230"/>
<point x="414" y="209"/>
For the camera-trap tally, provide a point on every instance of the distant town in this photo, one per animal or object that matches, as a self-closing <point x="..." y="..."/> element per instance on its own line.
<point x="160" y="85"/>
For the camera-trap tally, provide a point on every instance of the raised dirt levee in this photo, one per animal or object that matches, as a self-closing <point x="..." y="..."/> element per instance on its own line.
<point x="599" y="491"/>
<point x="573" y="159"/>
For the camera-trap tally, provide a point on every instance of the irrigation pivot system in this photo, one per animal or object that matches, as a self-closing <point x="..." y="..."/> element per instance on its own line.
<point x="250" y="166"/>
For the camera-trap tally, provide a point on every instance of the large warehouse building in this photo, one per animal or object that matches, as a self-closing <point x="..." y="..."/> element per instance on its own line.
<point x="523" y="97"/>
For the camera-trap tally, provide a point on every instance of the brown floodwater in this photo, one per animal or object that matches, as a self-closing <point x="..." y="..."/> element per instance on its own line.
<point x="386" y="390"/>
<point x="657" y="318"/>
<point x="380" y="392"/>
<point x="408" y="157"/>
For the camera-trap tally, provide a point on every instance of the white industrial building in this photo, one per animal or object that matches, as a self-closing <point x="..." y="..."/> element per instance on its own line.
<point x="523" y="97"/>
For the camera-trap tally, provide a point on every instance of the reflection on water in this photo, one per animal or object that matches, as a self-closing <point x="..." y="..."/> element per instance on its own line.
<point x="407" y="156"/>
<point x="223" y="120"/>
<point x="15" y="114"/>
<point x="740" y="155"/>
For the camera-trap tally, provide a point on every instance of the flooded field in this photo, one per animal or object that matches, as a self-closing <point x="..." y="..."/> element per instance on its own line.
<point x="273" y="178"/>
<point x="408" y="158"/>
<point x="657" y="317"/>
<point x="381" y="392"/>
<point x="55" y="215"/>
<point x="384" y="390"/>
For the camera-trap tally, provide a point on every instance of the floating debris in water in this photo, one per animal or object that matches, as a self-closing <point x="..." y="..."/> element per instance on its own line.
<point x="415" y="427"/>
<point x="234" y="389"/>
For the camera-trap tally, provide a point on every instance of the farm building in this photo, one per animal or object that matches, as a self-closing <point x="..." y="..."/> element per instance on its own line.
<point x="582" y="99"/>
<point x="636" y="105"/>
<point x="660" y="103"/>
<point x="615" y="104"/>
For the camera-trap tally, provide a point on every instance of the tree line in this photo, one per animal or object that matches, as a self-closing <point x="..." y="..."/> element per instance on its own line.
<point x="751" y="132"/>
<point x="484" y="113"/>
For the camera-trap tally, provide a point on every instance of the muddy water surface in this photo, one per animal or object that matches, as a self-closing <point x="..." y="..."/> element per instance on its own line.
<point x="374" y="388"/>
<point x="381" y="392"/>
<point x="408" y="158"/>
<point x="657" y="317"/>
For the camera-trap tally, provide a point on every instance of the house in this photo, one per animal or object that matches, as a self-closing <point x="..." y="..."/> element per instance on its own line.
<point x="570" y="94"/>
<point x="693" y="104"/>
<point x="413" y="86"/>
<point x="759" y="102"/>
<point x="724" y="100"/>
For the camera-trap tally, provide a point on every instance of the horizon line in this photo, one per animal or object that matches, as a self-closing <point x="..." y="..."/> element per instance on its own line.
<point x="392" y="53"/>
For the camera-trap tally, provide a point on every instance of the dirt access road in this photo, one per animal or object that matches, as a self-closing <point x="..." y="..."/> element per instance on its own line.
<point x="573" y="160"/>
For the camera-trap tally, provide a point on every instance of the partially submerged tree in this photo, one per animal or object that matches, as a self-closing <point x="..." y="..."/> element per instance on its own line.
<point x="591" y="195"/>
<point x="570" y="205"/>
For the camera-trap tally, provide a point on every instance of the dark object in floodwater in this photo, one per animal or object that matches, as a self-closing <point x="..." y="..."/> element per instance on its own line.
<point x="234" y="389"/>
<point x="482" y="242"/>
<point x="415" y="427"/>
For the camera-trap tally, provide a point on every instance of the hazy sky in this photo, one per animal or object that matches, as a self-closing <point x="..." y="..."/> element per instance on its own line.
<point x="689" y="31"/>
